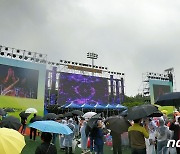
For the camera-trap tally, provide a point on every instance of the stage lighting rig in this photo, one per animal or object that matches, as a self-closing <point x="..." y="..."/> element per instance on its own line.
<point x="22" y="54"/>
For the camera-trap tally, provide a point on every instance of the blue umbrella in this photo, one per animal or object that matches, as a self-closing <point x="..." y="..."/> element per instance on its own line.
<point x="73" y="105"/>
<point x="98" y="106"/>
<point x="51" y="127"/>
<point x="87" y="106"/>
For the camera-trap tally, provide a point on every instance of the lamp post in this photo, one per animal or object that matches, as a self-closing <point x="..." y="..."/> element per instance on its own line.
<point x="92" y="56"/>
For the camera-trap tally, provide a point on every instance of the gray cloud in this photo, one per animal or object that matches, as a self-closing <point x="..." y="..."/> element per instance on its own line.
<point x="130" y="36"/>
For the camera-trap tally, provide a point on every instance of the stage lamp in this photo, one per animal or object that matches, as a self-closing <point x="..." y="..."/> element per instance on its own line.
<point x="20" y="57"/>
<point x="32" y="59"/>
<point x="18" y="51"/>
<point x="40" y="55"/>
<point x="65" y="61"/>
<point x="76" y="63"/>
<point x="53" y="63"/>
<point x="106" y="68"/>
<point x="145" y="93"/>
<point x="89" y="65"/>
<point x="102" y="67"/>
<point x="122" y="73"/>
<point x="25" y="58"/>
<point x="44" y="61"/>
<point x="57" y="64"/>
<point x="109" y="72"/>
<point x="61" y="61"/>
<point x="6" y="48"/>
<point x="73" y="63"/>
<point x="29" y="53"/>
<point x="2" y="53"/>
<point x="8" y="54"/>
<point x="49" y="62"/>
<point x="68" y="62"/>
<point x="37" y="60"/>
<point x="14" y="56"/>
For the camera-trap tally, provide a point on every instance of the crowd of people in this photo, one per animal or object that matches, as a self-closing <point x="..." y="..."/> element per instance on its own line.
<point x="145" y="136"/>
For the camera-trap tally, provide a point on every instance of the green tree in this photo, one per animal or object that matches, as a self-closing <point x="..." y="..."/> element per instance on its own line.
<point x="133" y="101"/>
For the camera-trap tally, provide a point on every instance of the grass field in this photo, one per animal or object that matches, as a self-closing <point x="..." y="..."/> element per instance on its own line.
<point x="31" y="147"/>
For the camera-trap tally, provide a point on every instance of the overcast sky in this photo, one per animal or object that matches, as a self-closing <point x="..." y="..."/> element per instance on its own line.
<point x="130" y="36"/>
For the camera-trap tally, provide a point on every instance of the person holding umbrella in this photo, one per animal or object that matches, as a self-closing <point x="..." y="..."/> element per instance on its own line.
<point x="137" y="133"/>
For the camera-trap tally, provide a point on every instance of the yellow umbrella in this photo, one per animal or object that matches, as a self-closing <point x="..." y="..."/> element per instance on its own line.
<point x="11" y="141"/>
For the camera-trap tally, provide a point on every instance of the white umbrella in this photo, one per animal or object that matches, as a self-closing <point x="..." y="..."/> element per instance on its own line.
<point x="89" y="114"/>
<point x="31" y="110"/>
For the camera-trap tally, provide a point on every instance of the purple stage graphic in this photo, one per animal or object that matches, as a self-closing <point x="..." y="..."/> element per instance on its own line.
<point x="82" y="89"/>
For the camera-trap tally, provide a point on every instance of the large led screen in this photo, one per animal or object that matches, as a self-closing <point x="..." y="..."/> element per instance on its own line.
<point x="160" y="90"/>
<point x="158" y="87"/>
<point x="18" y="82"/>
<point x="82" y="89"/>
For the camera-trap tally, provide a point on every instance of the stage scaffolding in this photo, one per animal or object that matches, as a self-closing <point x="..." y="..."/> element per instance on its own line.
<point x="115" y="79"/>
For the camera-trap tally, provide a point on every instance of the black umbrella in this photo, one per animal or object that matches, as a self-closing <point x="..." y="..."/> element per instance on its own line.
<point x="77" y="112"/>
<point x="2" y="112"/>
<point x="68" y="114"/>
<point x="169" y="99"/>
<point x="11" y="122"/>
<point x="92" y="122"/>
<point x="9" y="110"/>
<point x="142" y="111"/>
<point x="124" y="113"/>
<point x="60" y="116"/>
<point x="156" y="114"/>
<point x="50" y="116"/>
<point x="23" y="114"/>
<point x="117" y="124"/>
<point x="36" y="118"/>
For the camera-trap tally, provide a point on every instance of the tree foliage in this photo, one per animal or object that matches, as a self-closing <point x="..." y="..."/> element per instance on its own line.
<point x="133" y="101"/>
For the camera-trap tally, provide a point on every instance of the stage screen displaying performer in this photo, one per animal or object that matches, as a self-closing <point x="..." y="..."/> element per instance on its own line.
<point x="160" y="90"/>
<point x="82" y="89"/>
<point x="158" y="87"/>
<point x="18" y="82"/>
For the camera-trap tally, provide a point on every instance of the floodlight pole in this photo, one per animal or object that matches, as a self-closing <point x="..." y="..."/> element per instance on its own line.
<point x="92" y="56"/>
